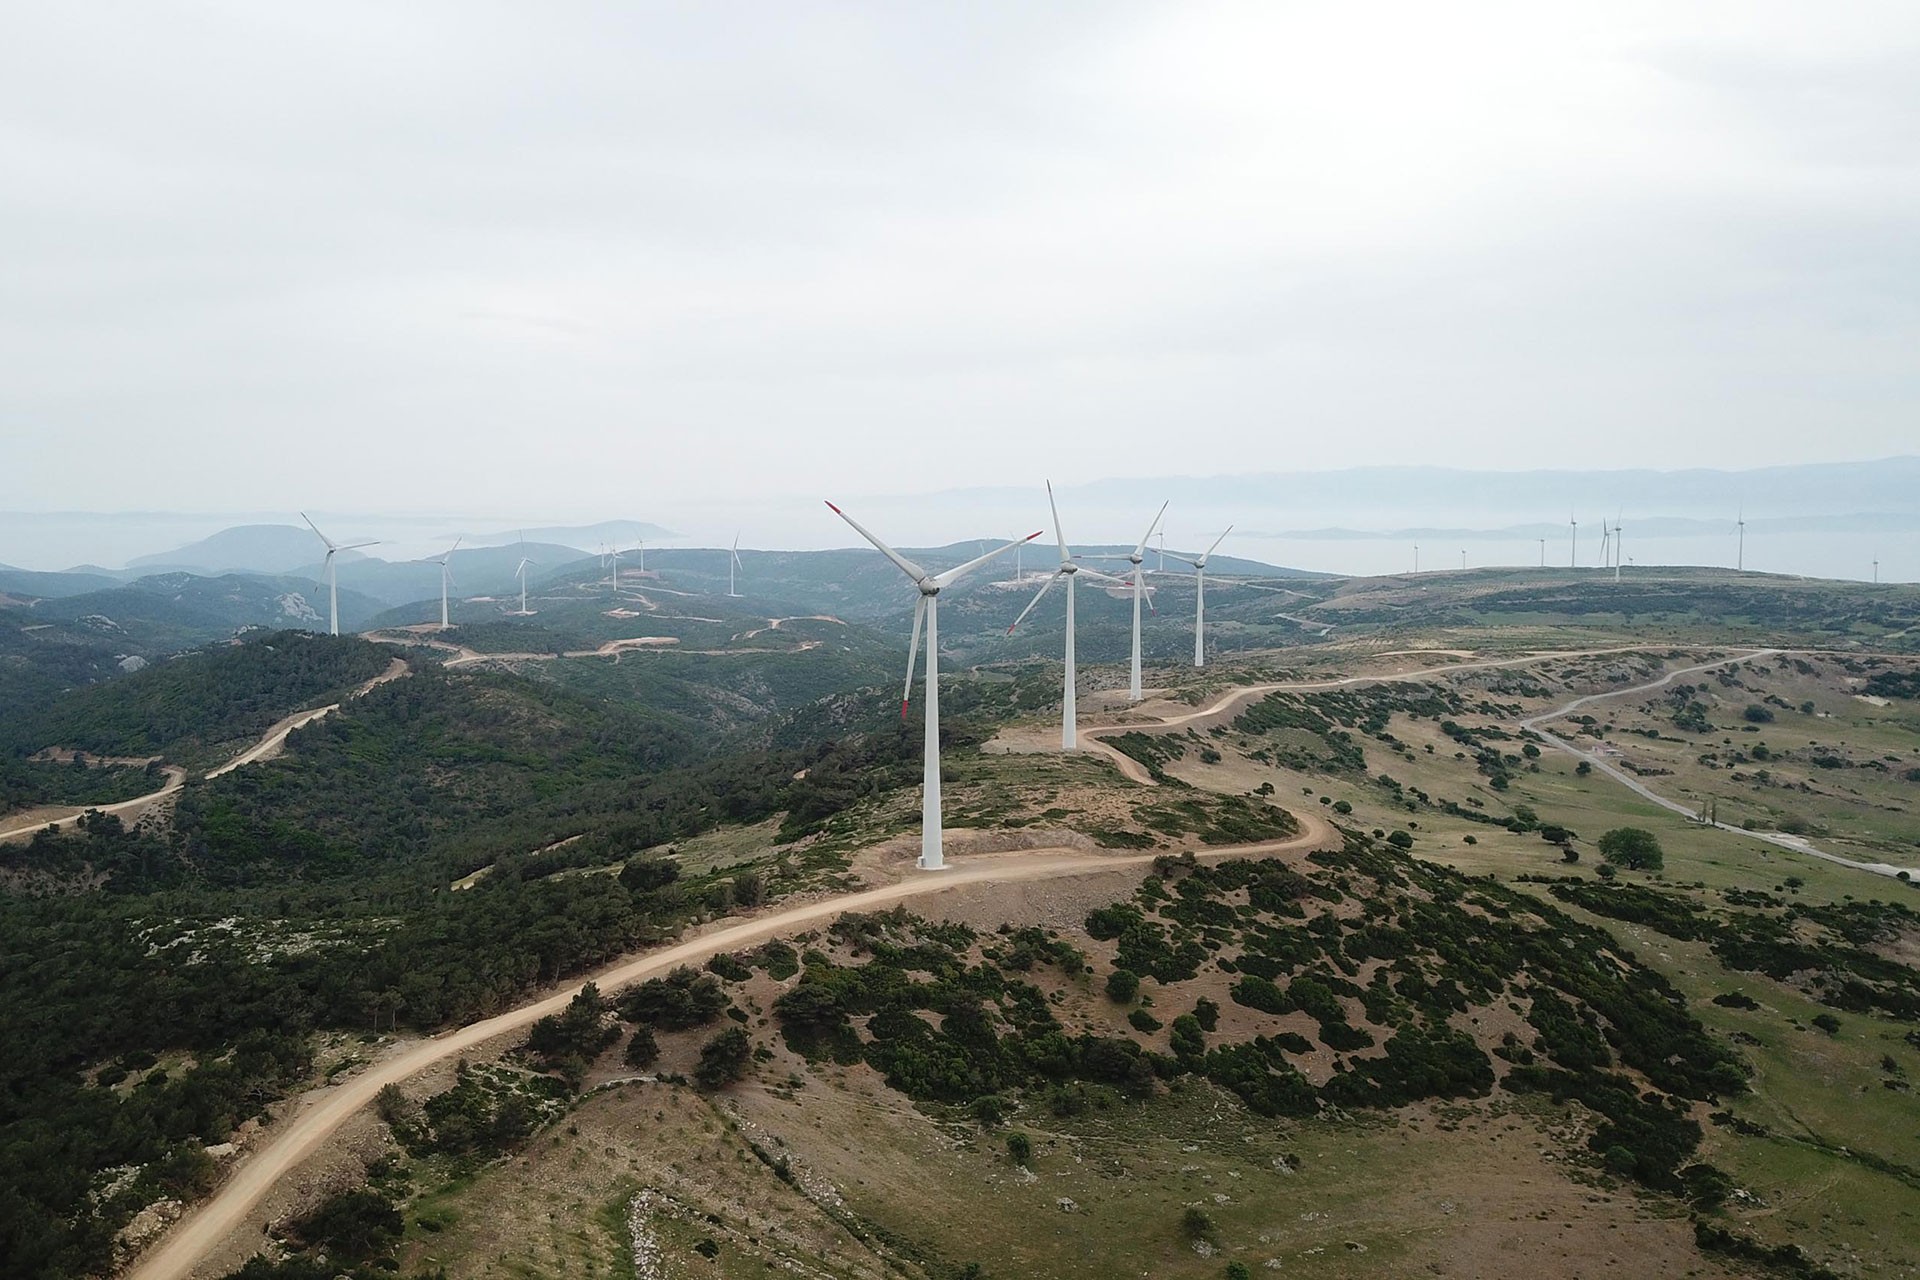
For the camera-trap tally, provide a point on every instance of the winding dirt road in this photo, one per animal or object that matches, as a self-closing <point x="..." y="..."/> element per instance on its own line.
<point x="270" y="745"/>
<point x="1232" y="700"/>
<point x="325" y="1110"/>
<point x="1779" y="839"/>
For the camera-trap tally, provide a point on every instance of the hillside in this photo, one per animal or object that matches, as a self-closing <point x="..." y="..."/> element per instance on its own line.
<point x="1340" y="962"/>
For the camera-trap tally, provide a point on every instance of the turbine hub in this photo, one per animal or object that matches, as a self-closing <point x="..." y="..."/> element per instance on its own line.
<point x="928" y="587"/>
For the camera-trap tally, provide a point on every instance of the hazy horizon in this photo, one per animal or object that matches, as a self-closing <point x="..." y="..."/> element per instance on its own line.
<point x="479" y="258"/>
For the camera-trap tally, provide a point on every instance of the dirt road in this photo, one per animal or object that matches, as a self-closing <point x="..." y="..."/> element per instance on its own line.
<point x="324" y="1111"/>
<point x="1779" y="839"/>
<point x="1217" y="710"/>
<point x="269" y="745"/>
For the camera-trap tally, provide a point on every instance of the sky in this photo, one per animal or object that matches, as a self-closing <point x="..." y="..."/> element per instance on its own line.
<point x="650" y="260"/>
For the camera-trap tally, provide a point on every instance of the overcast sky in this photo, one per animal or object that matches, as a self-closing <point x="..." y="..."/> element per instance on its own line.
<point x="603" y="259"/>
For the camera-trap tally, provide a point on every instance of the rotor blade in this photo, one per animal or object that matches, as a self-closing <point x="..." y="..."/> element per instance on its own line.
<point x="1216" y="542"/>
<point x="316" y="529"/>
<point x="958" y="572"/>
<point x="1108" y="578"/>
<point x="1059" y="533"/>
<point x="1184" y="560"/>
<point x="1044" y="588"/>
<point x="355" y="546"/>
<point x="905" y="565"/>
<point x="737" y="562"/>
<point x="913" y="653"/>
<point x="1141" y="549"/>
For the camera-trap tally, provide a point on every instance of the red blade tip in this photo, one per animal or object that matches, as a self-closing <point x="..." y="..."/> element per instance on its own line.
<point x="834" y="509"/>
<point x="903" y="708"/>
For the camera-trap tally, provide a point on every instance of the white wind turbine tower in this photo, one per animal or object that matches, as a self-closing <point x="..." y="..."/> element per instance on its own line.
<point x="1573" y="556"/>
<point x="1606" y="536"/>
<point x="446" y="580"/>
<point x="1199" y="564"/>
<point x="520" y="572"/>
<point x="333" y="581"/>
<point x="1740" y="562"/>
<point x="1619" y="544"/>
<point x="927" y="610"/>
<point x="1138" y="559"/>
<point x="1069" y="713"/>
<point x="612" y="558"/>
<point x="733" y="561"/>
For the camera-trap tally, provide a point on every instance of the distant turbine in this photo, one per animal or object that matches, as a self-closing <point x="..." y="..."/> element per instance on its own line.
<point x="1876" y="571"/>
<point x="1741" y="520"/>
<point x="1543" y="553"/>
<point x="333" y="581"/>
<point x="613" y="561"/>
<point x="927" y="609"/>
<point x="1416" y="557"/>
<point x="1463" y="559"/>
<point x="1199" y="564"/>
<point x="1137" y="559"/>
<point x="446" y="580"/>
<point x="1573" y="556"/>
<point x="1606" y="537"/>
<point x="733" y="562"/>
<point x="1619" y="544"/>
<point x="520" y="572"/>
<point x="640" y="546"/>
<point x="1069" y="720"/>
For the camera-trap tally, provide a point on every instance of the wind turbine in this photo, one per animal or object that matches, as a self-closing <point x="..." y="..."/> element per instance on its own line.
<point x="1069" y="730"/>
<point x="1137" y="559"/>
<point x="520" y="572"/>
<point x="733" y="560"/>
<point x="1606" y="536"/>
<point x="333" y="581"/>
<point x="1543" y="553"/>
<point x="1876" y="570"/>
<point x="1463" y="559"/>
<point x="927" y="609"/>
<point x="612" y="558"/>
<point x="1619" y="544"/>
<point x="1740" y="563"/>
<point x="1199" y="564"/>
<point x="1573" y="556"/>
<point x="446" y="580"/>
<point x="1416" y="557"/>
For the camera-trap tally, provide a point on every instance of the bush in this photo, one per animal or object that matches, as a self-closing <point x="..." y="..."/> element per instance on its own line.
<point x="1634" y="848"/>
<point x="1196" y="1224"/>
<point x="1019" y="1148"/>
<point x="1123" y="985"/>
<point x="1757" y="714"/>
<point x="643" y="1050"/>
<point x="682" y="999"/>
<point x="1400" y="840"/>
<point x="724" y="1059"/>
<point x="1342" y="807"/>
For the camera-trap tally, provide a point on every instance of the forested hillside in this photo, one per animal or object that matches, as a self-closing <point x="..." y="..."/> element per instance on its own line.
<point x="204" y="699"/>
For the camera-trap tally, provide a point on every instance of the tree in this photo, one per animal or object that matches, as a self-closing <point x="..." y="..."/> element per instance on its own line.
<point x="643" y="1050"/>
<point x="1122" y="986"/>
<point x="1020" y="1147"/>
<point x="1757" y="714"/>
<point x="724" y="1059"/>
<point x="1400" y="840"/>
<point x="1634" y="848"/>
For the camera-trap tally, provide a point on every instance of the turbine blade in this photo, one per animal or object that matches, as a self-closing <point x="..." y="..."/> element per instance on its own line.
<point x="1059" y="533"/>
<point x="1038" y="596"/>
<point x="1108" y="578"/>
<point x="316" y="529"/>
<point x="1216" y="542"/>
<point x="958" y="572"/>
<point x="355" y="546"/>
<point x="913" y="653"/>
<point x="1141" y="548"/>
<point x="905" y="565"/>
